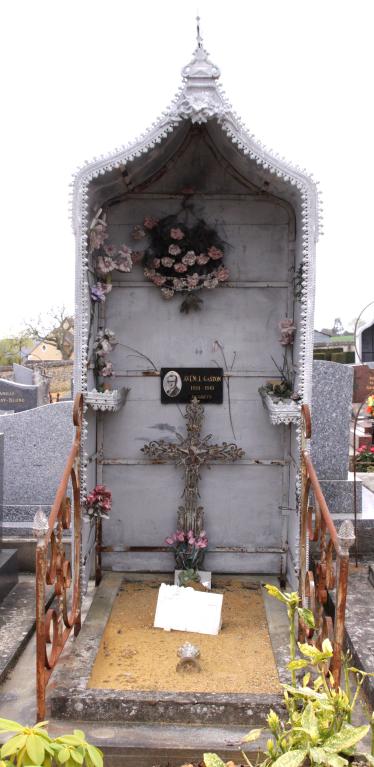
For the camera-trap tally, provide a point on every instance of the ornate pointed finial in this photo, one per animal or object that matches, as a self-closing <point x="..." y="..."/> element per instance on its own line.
<point x="199" y="39"/>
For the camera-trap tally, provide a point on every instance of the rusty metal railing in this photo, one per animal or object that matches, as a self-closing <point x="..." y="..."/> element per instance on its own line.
<point x="332" y="566"/>
<point x="53" y="568"/>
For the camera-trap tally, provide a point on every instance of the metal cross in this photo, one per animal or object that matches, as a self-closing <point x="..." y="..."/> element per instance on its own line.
<point x="192" y="452"/>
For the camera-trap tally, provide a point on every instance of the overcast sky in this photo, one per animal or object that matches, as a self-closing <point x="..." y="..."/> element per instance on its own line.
<point x="81" y="77"/>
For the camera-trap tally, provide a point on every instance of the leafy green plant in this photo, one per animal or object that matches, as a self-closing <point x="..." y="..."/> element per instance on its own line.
<point x="317" y="729"/>
<point x="31" y="746"/>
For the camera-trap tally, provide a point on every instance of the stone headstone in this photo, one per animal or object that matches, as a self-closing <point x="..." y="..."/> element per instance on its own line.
<point x="22" y="374"/>
<point x="184" y="609"/>
<point x="15" y="397"/>
<point x="331" y="418"/>
<point x="36" y="446"/>
<point x="363" y="382"/>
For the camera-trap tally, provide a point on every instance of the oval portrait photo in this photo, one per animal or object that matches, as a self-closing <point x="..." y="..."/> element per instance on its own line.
<point x="172" y="383"/>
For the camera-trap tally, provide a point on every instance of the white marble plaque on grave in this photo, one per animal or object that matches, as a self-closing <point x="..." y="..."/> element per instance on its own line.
<point x="184" y="609"/>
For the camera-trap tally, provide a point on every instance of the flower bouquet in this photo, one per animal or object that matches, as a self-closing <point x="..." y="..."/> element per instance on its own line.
<point x="189" y="550"/>
<point x="181" y="258"/>
<point x="365" y="459"/>
<point x="98" y="503"/>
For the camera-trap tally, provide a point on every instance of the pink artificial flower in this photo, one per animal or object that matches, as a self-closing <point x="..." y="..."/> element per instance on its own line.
<point x="169" y="541"/>
<point x="176" y="234"/>
<point x="104" y="265"/>
<point x="149" y="273"/>
<point x="167" y="293"/>
<point x="150" y="223"/>
<point x="110" y="250"/>
<point x="138" y="233"/>
<point x="180" y="536"/>
<point x="156" y="262"/>
<point x="215" y="253"/>
<point x="159" y="279"/>
<point x="189" y="258"/>
<point x="192" y="280"/>
<point x="98" y="235"/>
<point x="179" y="283"/>
<point x="179" y="267"/>
<point x="202" y="259"/>
<point x="372" y="449"/>
<point x="174" y="250"/>
<point x="107" y="371"/>
<point x="167" y="261"/>
<point x="124" y="260"/>
<point x="210" y="283"/>
<point x="222" y="273"/>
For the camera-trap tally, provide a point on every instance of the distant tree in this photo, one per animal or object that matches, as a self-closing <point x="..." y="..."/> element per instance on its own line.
<point x="338" y="327"/>
<point x="57" y="329"/>
<point x="11" y="348"/>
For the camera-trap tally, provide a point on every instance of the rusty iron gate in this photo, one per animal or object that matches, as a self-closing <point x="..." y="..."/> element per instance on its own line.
<point x="53" y="568"/>
<point x="332" y="559"/>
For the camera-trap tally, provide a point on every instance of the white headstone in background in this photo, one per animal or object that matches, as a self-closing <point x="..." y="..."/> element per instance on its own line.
<point x="184" y="609"/>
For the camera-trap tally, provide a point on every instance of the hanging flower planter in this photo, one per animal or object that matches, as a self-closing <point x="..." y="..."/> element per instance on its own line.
<point x="110" y="400"/>
<point x="280" y="410"/>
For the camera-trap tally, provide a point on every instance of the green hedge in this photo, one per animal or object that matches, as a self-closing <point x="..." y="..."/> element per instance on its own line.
<point x="336" y="355"/>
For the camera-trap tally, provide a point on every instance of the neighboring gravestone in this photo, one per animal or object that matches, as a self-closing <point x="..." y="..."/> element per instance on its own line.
<point x="23" y="375"/>
<point x="15" y="397"/>
<point x="36" y="447"/>
<point x="331" y="417"/>
<point x="8" y="557"/>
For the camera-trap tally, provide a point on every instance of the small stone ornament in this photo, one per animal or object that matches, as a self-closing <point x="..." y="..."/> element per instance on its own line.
<point x="188" y="654"/>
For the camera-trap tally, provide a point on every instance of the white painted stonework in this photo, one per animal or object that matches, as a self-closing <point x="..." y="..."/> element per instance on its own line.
<point x="184" y="609"/>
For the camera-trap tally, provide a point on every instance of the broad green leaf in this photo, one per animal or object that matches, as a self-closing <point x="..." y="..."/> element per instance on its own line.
<point x="307" y="616"/>
<point x="76" y="756"/>
<point x="252" y="735"/>
<point x="63" y="754"/>
<point x="95" y="755"/>
<point x="327" y="647"/>
<point x="39" y="724"/>
<point x="273" y="591"/>
<point x="334" y="760"/>
<point x="294" y="665"/>
<point x="309" y="650"/>
<point x="7" y="725"/>
<point x="291" y="758"/>
<point x="304" y="692"/>
<point x="79" y="734"/>
<point x="309" y="722"/>
<point x="213" y="760"/>
<point x="346" y="738"/>
<point x="13" y="745"/>
<point x="318" y="755"/>
<point x="69" y="740"/>
<point x="306" y="679"/>
<point x="35" y="748"/>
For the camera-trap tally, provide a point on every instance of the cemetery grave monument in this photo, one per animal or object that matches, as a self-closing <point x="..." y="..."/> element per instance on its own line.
<point x="195" y="276"/>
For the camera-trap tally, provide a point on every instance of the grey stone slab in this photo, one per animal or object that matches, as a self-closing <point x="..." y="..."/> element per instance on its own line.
<point x="22" y="374"/>
<point x="17" y="623"/>
<point x="1" y="481"/>
<point x="70" y="697"/>
<point x="331" y="409"/>
<point x="36" y="446"/>
<point x="339" y="495"/>
<point x="16" y="397"/>
<point x="8" y="571"/>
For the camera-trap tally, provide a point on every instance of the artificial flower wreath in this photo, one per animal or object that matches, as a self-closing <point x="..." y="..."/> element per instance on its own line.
<point x="182" y="259"/>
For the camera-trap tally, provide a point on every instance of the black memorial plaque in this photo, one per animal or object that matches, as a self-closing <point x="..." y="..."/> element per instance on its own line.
<point x="182" y="384"/>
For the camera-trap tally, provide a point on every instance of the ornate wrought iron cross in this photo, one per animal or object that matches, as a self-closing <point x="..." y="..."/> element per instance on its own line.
<point x="192" y="452"/>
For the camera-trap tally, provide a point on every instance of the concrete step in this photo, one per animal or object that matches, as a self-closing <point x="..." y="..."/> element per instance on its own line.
<point x="8" y="571"/>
